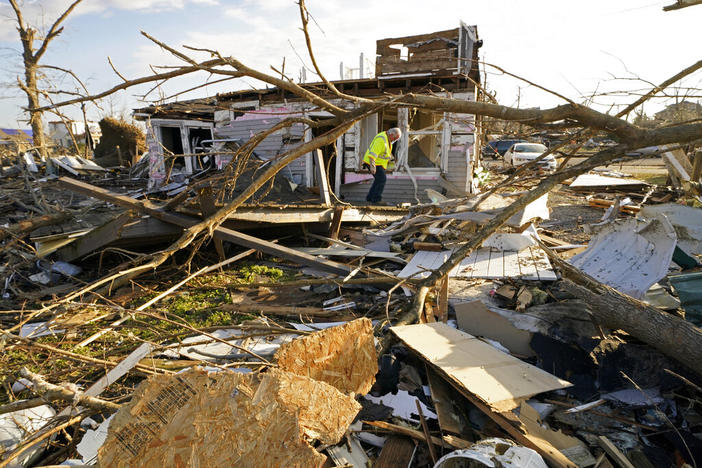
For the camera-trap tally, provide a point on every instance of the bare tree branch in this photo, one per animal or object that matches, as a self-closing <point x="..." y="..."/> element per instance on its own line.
<point x="114" y="69"/>
<point x="54" y="30"/>
<point x="304" y="17"/>
<point x="136" y="81"/>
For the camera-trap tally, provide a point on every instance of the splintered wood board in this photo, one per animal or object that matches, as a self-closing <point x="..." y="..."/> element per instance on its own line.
<point x="485" y="262"/>
<point x="342" y="356"/>
<point x="226" y="419"/>
<point x="499" y="380"/>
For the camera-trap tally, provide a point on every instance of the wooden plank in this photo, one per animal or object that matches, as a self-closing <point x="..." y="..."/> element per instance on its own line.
<point x="527" y="265"/>
<point x="427" y="434"/>
<point x="618" y="457"/>
<point x="679" y="162"/>
<point x="338" y="166"/>
<point x="482" y="262"/>
<point x="424" y="65"/>
<point x="445" y="441"/>
<point x="336" y="222"/>
<point x="396" y="453"/>
<point x="447" y="34"/>
<point x="511" y="264"/>
<point x="697" y="166"/>
<point x="226" y="234"/>
<point x="431" y="246"/>
<point x="443" y="299"/>
<point x="445" y="405"/>
<point x="318" y="215"/>
<point x="322" y="181"/>
<point x="496" y="268"/>
<point x="93" y="240"/>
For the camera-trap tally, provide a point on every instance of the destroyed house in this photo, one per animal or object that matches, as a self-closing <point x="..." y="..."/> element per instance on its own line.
<point x="437" y="150"/>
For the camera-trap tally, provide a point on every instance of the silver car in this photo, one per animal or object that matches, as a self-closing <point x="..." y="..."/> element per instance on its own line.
<point x="522" y="153"/>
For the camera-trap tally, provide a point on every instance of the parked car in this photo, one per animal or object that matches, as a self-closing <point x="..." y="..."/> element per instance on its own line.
<point x="522" y="153"/>
<point x="498" y="148"/>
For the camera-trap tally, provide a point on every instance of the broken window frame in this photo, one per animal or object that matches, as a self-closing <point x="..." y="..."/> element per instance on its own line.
<point x="192" y="164"/>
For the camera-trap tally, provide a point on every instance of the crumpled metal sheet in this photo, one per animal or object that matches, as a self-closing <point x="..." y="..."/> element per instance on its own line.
<point x="630" y="256"/>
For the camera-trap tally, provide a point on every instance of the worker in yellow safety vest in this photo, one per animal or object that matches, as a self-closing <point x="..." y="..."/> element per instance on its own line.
<point x="376" y="160"/>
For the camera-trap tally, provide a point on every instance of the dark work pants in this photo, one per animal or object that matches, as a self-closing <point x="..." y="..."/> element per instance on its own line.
<point x="375" y="194"/>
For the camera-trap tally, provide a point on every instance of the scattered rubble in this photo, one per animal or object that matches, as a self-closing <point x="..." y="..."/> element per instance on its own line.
<point x="275" y="334"/>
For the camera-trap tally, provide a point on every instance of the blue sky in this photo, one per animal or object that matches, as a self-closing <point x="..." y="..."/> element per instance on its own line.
<point x="574" y="48"/>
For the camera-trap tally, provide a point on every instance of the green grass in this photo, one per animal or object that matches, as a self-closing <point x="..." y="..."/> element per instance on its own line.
<point x="651" y="178"/>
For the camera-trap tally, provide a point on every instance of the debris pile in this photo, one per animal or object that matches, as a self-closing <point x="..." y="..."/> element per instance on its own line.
<point x="567" y="338"/>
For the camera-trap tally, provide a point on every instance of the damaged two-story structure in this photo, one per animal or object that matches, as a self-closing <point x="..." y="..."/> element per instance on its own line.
<point x="438" y="150"/>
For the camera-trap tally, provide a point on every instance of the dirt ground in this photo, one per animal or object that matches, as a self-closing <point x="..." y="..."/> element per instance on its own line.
<point x="569" y="212"/>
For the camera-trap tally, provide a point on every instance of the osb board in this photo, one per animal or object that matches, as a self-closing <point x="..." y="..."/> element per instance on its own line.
<point x="226" y="419"/>
<point x="496" y="378"/>
<point x="342" y="356"/>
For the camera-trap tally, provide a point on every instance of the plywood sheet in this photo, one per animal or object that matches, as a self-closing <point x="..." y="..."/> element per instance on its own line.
<point x="499" y="380"/>
<point x="342" y="356"/>
<point x="226" y="419"/>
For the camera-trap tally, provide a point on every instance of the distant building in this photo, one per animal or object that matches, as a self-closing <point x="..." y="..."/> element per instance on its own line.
<point x="680" y="112"/>
<point x="60" y="136"/>
<point x="17" y="139"/>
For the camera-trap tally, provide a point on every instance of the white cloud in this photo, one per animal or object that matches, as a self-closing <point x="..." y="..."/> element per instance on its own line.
<point x="41" y="14"/>
<point x="559" y="45"/>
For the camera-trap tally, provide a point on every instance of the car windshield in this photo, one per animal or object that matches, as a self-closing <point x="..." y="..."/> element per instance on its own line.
<point x="529" y="148"/>
<point x="504" y="144"/>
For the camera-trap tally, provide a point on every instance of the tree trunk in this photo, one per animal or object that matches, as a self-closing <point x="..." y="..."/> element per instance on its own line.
<point x="30" y="87"/>
<point x="671" y="335"/>
<point x="35" y="117"/>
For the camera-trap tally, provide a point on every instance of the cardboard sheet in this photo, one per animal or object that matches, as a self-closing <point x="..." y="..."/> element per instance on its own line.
<point x="499" y="380"/>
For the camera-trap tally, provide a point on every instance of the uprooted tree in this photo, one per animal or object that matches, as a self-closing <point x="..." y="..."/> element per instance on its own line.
<point x="681" y="341"/>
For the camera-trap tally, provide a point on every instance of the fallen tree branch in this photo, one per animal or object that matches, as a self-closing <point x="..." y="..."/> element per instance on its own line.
<point x="51" y="392"/>
<point x="76" y="357"/>
<point x="32" y="224"/>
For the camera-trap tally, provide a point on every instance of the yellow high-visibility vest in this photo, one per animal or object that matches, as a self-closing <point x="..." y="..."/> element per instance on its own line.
<point x="379" y="152"/>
